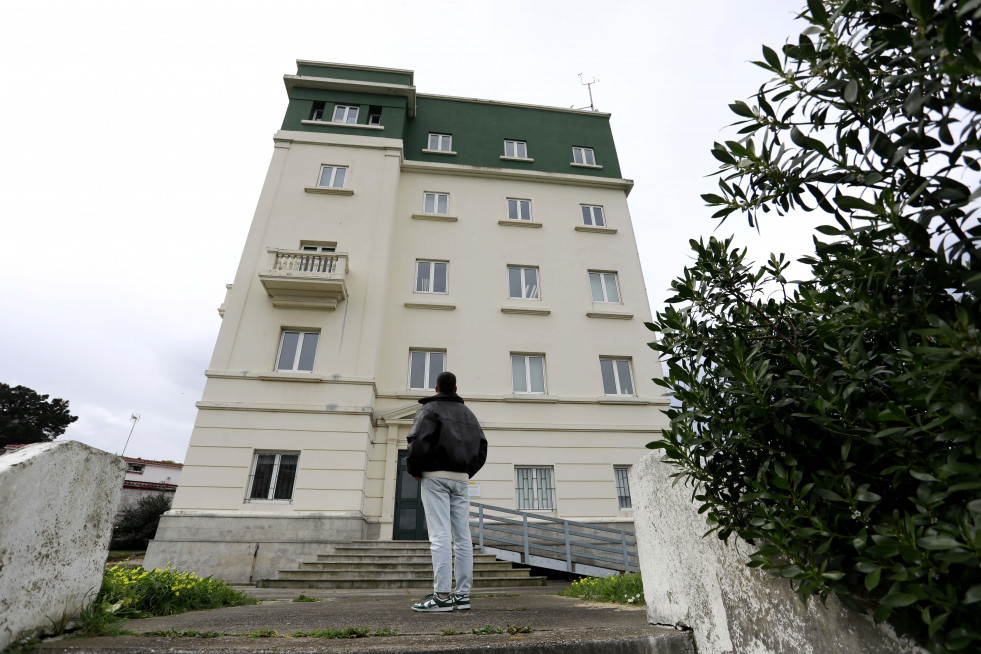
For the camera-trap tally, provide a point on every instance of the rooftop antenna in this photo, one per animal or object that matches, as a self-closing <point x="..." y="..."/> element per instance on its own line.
<point x="135" y="417"/>
<point x="588" y="85"/>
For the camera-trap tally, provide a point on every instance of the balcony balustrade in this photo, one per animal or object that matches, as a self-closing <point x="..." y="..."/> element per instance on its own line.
<point x="305" y="280"/>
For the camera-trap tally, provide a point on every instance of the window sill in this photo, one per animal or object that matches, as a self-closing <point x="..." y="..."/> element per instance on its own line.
<point x="268" y="502"/>
<point x="449" y="152"/>
<point x="621" y="399"/>
<point x="430" y="305"/>
<point x="326" y="190"/>
<point x="595" y="230"/>
<point x="528" y="311"/>
<point x="290" y="376"/>
<point x="518" y="223"/>
<point x="524" y="159"/>
<point x="593" y="166"/>
<point x="612" y="315"/>
<point x="540" y="398"/>
<point x="435" y="216"/>
<point x="329" y="123"/>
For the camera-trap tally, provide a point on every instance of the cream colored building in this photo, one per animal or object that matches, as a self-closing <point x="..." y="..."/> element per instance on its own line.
<point x="396" y="235"/>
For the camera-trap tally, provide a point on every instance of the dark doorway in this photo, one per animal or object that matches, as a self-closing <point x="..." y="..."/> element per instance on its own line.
<point x="410" y="519"/>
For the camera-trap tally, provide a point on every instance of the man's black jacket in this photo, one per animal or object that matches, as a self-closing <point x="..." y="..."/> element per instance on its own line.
<point x="445" y="436"/>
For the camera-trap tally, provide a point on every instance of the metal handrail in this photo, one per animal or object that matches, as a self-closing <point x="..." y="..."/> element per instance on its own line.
<point x="574" y="534"/>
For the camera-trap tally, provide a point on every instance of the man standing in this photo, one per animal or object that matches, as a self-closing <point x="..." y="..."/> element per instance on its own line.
<point x="446" y="448"/>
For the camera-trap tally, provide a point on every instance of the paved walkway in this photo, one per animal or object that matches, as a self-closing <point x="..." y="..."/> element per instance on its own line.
<point x="557" y="625"/>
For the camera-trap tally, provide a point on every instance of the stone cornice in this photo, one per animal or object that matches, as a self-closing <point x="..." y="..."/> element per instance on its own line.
<point x="624" y="185"/>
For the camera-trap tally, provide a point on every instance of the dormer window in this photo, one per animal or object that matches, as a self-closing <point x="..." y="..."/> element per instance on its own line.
<point x="516" y="149"/>
<point x="344" y="113"/>
<point x="583" y="156"/>
<point x="441" y="142"/>
<point x="318" y="111"/>
<point x="374" y="115"/>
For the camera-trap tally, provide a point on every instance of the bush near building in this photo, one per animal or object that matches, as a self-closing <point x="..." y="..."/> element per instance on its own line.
<point x="136" y="526"/>
<point x="835" y="422"/>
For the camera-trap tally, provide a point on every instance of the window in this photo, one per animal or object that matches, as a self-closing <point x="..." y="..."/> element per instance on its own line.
<point x="135" y="468"/>
<point x="332" y="176"/>
<point x="522" y="283"/>
<point x="424" y="368"/>
<point x="441" y="142"/>
<point x="593" y="215"/>
<point x="528" y="373"/>
<point x="583" y="156"/>
<point x="431" y="276"/>
<point x="621" y="475"/>
<point x="344" y="113"/>
<point x="273" y="475"/>
<point x="519" y="209"/>
<point x="603" y="286"/>
<point x="534" y="488"/>
<point x="297" y="351"/>
<point x="318" y="247"/>
<point x="436" y="203"/>
<point x="517" y="149"/>
<point x="374" y="115"/>
<point x="616" y="377"/>
<point x="318" y="110"/>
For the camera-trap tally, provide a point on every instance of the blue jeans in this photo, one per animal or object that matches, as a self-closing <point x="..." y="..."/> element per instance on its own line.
<point x="447" y="505"/>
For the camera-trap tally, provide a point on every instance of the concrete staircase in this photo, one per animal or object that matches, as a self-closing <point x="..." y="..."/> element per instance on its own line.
<point x="391" y="564"/>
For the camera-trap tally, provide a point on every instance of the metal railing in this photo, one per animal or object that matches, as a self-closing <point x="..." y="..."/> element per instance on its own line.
<point x="553" y="542"/>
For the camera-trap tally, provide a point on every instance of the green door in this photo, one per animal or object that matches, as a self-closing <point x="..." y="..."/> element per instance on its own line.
<point x="410" y="518"/>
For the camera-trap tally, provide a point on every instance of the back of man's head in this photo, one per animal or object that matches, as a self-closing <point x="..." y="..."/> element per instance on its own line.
<point x="446" y="383"/>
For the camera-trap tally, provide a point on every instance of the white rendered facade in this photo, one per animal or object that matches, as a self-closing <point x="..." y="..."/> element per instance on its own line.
<point x="389" y="278"/>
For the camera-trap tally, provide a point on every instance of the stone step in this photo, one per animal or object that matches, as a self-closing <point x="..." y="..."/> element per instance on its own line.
<point x="392" y="565"/>
<point x="381" y="551"/>
<point x="346" y="573"/>
<point x="394" y="558"/>
<point x="368" y="583"/>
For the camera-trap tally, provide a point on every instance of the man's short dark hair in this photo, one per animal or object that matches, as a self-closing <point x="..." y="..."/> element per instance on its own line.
<point x="446" y="382"/>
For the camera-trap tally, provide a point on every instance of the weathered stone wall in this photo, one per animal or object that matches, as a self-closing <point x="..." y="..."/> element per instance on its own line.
<point x="57" y="504"/>
<point x="704" y="585"/>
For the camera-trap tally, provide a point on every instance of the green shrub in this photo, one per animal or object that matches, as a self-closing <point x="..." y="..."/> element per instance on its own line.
<point x="137" y="525"/>
<point x="138" y="593"/>
<point x="621" y="589"/>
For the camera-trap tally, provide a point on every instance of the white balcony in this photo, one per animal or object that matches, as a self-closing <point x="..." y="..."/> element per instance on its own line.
<point x="305" y="280"/>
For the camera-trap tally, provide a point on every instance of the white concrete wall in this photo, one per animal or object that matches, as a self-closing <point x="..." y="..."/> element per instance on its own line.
<point x="704" y="585"/>
<point x="57" y="504"/>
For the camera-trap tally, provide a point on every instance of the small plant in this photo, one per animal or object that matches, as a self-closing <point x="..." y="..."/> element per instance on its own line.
<point x="350" y="632"/>
<point x="620" y="589"/>
<point x="385" y="631"/>
<point x="451" y="632"/>
<point x="488" y="630"/>
<point x="304" y="598"/>
<point x="515" y="629"/>
<point x="137" y="525"/>
<point x="262" y="633"/>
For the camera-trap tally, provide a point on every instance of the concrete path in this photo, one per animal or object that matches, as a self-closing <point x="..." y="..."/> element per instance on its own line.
<point x="557" y="625"/>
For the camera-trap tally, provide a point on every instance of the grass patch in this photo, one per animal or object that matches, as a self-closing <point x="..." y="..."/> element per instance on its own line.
<point x="304" y="598"/>
<point x="385" y="631"/>
<point x="262" y="633"/>
<point x="489" y="629"/>
<point x="620" y="589"/>
<point x="138" y="593"/>
<point x="118" y="556"/>
<point x="515" y="629"/>
<point x="350" y="632"/>
<point x="450" y="632"/>
<point x="173" y="633"/>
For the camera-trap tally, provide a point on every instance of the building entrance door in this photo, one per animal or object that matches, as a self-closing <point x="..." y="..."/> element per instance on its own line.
<point x="410" y="518"/>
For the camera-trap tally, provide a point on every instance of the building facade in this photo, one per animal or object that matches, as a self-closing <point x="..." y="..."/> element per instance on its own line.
<point x="397" y="235"/>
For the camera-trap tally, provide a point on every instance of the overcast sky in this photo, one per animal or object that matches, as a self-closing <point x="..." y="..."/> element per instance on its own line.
<point x="136" y="137"/>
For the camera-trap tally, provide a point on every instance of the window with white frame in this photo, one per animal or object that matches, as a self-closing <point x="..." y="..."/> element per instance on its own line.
<point x="621" y="475"/>
<point x="297" y="350"/>
<point x="528" y="373"/>
<point x="603" y="286"/>
<point x="592" y="215"/>
<point x="344" y="113"/>
<point x="318" y="247"/>
<point x="516" y="149"/>
<point x="431" y="276"/>
<point x="441" y="142"/>
<point x="523" y="283"/>
<point x="438" y="203"/>
<point x="424" y="367"/>
<point x="519" y="209"/>
<point x="583" y="156"/>
<point x="332" y="176"/>
<point x="534" y="488"/>
<point x="273" y="476"/>
<point x="617" y="379"/>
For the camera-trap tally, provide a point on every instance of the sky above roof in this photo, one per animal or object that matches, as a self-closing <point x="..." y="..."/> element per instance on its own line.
<point x="136" y="138"/>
